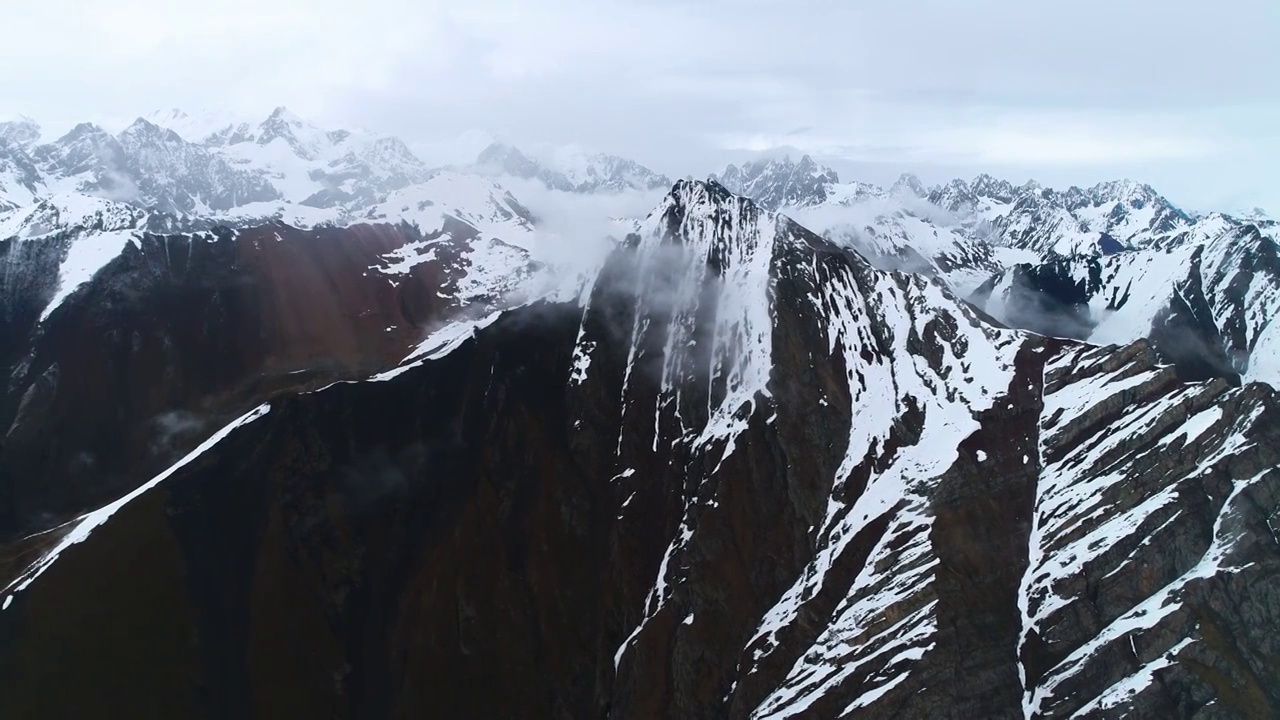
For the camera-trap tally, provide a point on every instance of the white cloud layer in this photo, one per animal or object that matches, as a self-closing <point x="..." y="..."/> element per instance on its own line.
<point x="1181" y="94"/>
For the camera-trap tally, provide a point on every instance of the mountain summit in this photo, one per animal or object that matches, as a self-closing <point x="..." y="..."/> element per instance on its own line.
<point x="780" y="183"/>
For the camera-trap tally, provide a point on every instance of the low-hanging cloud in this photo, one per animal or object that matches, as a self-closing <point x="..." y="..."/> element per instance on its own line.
<point x="860" y="225"/>
<point x="1072" y="106"/>
<point x="116" y="186"/>
<point x="577" y="231"/>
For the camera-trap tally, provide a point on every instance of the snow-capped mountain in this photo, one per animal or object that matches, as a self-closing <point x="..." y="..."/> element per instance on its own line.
<point x="1105" y="218"/>
<point x="176" y="176"/>
<point x="746" y="475"/>
<point x="1113" y="263"/>
<point x="213" y="167"/>
<point x="195" y="127"/>
<point x="570" y="169"/>
<point x="145" y="165"/>
<point x="1206" y="300"/>
<point x="87" y="159"/>
<point x="309" y="165"/>
<point x="280" y="161"/>
<point x="896" y="228"/>
<point x="894" y="237"/>
<point x="797" y="456"/>
<point x="21" y="131"/>
<point x="779" y="183"/>
<point x="20" y="180"/>
<point x="908" y="185"/>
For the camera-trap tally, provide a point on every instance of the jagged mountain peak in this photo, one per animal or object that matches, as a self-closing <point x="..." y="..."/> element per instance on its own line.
<point x="195" y="126"/>
<point x="171" y="114"/>
<point x="786" y="164"/>
<point x="499" y="153"/>
<point x="391" y="149"/>
<point x="781" y="182"/>
<point x="284" y="114"/>
<point x="307" y="140"/>
<point x="954" y="196"/>
<point x="709" y="196"/>
<point x="143" y="130"/>
<point x="82" y="131"/>
<point x="21" y="131"/>
<point x="570" y="168"/>
<point x="987" y="186"/>
<point x="209" y="162"/>
<point x="1123" y="189"/>
<point x="908" y="183"/>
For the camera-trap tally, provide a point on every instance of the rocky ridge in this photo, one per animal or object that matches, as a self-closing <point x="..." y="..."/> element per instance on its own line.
<point x="747" y="475"/>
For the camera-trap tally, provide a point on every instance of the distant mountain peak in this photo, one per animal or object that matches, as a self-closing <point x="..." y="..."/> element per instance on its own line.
<point x="21" y="131"/>
<point x="781" y="182"/>
<point x="283" y="113"/>
<point x="82" y="130"/>
<point x="570" y="168"/>
<point x="143" y="128"/>
<point x="159" y="116"/>
<point x="988" y="186"/>
<point x="909" y="184"/>
<point x="498" y="150"/>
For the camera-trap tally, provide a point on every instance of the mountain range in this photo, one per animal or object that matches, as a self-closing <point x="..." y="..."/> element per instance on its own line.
<point x="296" y="425"/>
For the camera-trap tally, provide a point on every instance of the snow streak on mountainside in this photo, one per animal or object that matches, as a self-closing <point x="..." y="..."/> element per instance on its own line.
<point x="83" y="526"/>
<point x="748" y="475"/>
<point x="85" y="233"/>
<point x="1107" y="500"/>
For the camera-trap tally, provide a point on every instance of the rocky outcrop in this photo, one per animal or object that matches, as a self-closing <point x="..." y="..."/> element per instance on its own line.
<point x="748" y="476"/>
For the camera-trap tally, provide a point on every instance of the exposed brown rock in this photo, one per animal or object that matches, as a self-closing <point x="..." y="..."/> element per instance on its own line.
<point x="481" y="537"/>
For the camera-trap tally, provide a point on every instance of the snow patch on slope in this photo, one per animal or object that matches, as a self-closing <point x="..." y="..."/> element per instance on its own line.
<point x="977" y="368"/>
<point x="87" y="523"/>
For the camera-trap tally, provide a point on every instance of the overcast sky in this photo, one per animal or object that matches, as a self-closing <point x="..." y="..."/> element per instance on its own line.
<point x="1183" y="94"/>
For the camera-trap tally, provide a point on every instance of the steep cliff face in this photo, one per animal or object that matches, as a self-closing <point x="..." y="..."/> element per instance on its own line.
<point x="177" y="333"/>
<point x="748" y="476"/>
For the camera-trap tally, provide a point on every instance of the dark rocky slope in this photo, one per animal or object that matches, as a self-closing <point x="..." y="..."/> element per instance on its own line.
<point x="180" y="333"/>
<point x="754" y="477"/>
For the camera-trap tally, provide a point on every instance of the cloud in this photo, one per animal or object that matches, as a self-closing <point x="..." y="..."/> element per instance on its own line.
<point x="1003" y="138"/>
<point x="116" y="186"/>
<point x="1185" y="95"/>
<point x="576" y="232"/>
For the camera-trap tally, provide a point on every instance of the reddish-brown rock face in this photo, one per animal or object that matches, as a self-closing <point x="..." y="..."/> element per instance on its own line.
<point x="181" y="332"/>
<point x="750" y="477"/>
